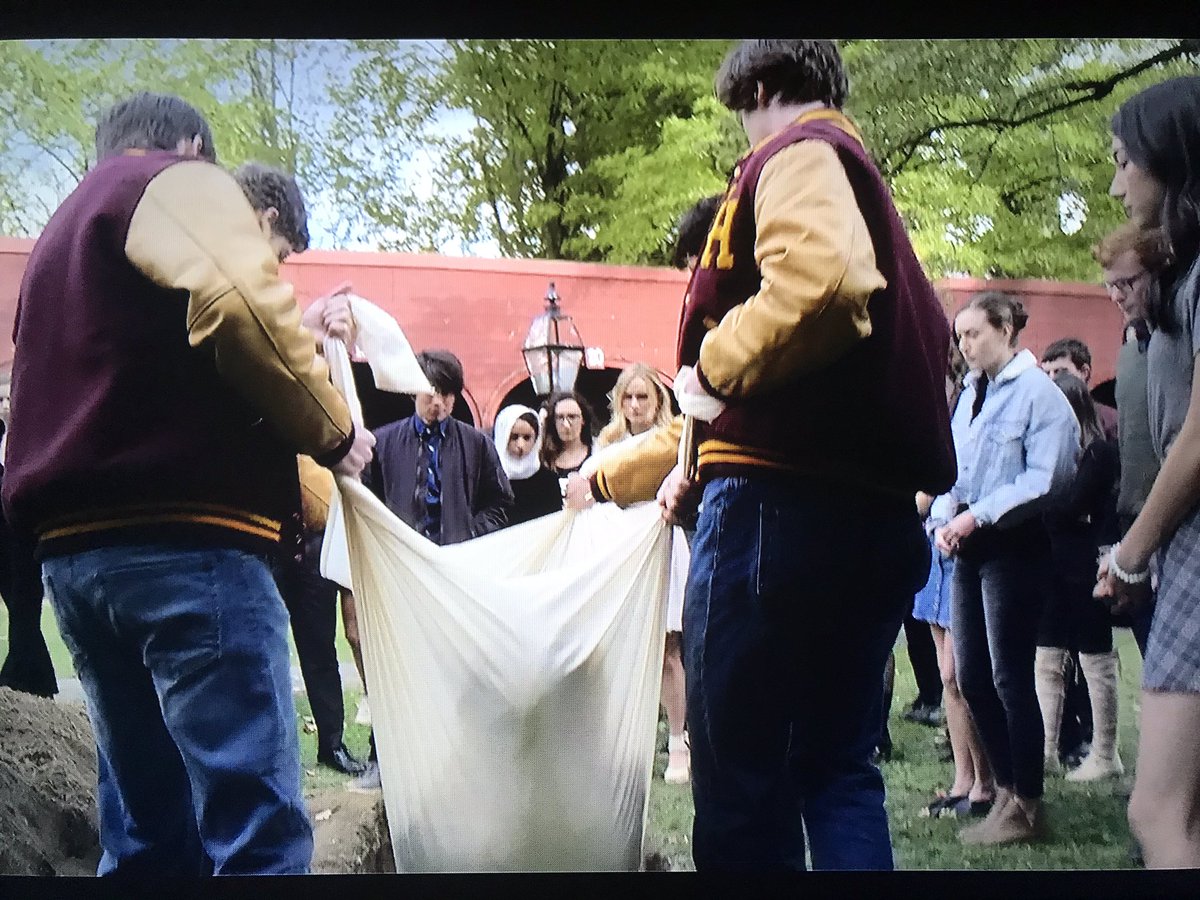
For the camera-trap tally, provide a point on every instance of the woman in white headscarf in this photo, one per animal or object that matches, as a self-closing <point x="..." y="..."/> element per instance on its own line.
<point x="518" y="438"/>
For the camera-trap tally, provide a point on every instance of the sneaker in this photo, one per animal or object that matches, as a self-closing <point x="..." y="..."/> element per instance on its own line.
<point x="1093" y="768"/>
<point x="368" y="781"/>
<point x="679" y="761"/>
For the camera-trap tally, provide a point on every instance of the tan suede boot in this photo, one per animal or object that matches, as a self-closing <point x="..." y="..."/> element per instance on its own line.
<point x="972" y="833"/>
<point x="1103" y="761"/>
<point x="1049" y="669"/>
<point x="1022" y="821"/>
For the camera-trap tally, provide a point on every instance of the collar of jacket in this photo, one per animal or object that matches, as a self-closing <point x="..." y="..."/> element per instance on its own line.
<point x="834" y="116"/>
<point x="422" y="428"/>
<point x="1019" y="364"/>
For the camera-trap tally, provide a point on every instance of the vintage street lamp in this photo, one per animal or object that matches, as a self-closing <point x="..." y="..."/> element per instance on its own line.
<point x="553" y="349"/>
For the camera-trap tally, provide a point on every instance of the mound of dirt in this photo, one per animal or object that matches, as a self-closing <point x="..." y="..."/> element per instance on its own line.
<point x="47" y="788"/>
<point x="350" y="834"/>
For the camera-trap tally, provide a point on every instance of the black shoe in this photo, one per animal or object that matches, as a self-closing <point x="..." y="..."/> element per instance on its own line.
<point x="924" y="714"/>
<point x="341" y="760"/>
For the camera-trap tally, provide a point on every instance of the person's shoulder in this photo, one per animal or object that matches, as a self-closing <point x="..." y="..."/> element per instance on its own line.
<point x="391" y="430"/>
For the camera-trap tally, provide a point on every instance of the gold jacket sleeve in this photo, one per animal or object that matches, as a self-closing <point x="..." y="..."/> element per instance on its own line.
<point x="818" y="271"/>
<point x="194" y="230"/>
<point x="637" y="474"/>
<point x="316" y="493"/>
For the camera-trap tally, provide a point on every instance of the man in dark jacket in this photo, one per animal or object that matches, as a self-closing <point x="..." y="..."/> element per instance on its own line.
<point x="439" y="476"/>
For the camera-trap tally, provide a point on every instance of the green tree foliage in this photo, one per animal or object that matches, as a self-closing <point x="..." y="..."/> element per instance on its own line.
<point x="257" y="95"/>
<point x="997" y="151"/>
<point x="557" y="158"/>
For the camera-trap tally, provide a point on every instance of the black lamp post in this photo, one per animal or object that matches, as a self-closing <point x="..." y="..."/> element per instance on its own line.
<point x="553" y="349"/>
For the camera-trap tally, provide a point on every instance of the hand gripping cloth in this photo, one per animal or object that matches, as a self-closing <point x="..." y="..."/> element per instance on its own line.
<point x="514" y="679"/>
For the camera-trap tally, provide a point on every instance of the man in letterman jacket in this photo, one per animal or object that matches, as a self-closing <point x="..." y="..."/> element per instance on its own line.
<point x="812" y="349"/>
<point x="162" y="388"/>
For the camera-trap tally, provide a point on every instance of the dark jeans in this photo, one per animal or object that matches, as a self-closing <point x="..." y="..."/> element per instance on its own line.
<point x="312" y="605"/>
<point x="795" y="597"/>
<point x="183" y="657"/>
<point x="999" y="585"/>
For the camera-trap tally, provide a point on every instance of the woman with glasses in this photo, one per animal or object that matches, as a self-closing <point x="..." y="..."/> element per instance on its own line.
<point x="1156" y="151"/>
<point x="569" y="432"/>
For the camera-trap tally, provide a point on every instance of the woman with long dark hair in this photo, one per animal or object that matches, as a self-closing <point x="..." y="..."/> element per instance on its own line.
<point x="1079" y="522"/>
<point x="1156" y="150"/>
<point x="569" y="432"/>
<point x="1016" y="439"/>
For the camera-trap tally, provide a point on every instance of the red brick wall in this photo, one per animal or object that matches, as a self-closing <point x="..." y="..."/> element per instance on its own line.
<point x="481" y="308"/>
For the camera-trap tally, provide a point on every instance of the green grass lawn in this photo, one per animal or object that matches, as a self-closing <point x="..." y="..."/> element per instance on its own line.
<point x="1088" y="824"/>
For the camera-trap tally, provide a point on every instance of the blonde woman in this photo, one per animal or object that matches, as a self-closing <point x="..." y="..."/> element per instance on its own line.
<point x="639" y="403"/>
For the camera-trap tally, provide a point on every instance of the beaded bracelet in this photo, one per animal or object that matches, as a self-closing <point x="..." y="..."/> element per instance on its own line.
<point x="1118" y="572"/>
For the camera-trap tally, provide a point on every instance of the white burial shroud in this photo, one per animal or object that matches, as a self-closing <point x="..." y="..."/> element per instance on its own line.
<point x="514" y="678"/>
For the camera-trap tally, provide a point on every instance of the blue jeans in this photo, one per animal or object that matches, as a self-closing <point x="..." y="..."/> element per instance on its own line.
<point x="1000" y="585"/>
<point x="183" y="657"/>
<point x="794" y="600"/>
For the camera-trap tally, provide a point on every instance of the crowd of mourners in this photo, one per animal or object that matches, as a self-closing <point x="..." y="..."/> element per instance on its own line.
<point x="838" y="461"/>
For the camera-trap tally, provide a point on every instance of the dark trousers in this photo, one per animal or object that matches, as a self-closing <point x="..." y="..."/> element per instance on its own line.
<point x="27" y="667"/>
<point x="786" y="631"/>
<point x="312" y="604"/>
<point x="923" y="656"/>
<point x="1000" y="581"/>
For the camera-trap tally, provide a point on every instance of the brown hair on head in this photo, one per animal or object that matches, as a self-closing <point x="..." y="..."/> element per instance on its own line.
<point x="1148" y="244"/>
<point x="1000" y="309"/>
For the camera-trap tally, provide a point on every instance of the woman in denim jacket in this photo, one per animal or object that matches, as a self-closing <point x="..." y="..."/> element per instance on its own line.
<point x="1017" y="442"/>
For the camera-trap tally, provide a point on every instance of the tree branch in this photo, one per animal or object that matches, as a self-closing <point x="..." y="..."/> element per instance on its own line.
<point x="1092" y="90"/>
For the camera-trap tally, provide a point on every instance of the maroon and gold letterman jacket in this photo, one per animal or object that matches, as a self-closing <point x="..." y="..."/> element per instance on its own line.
<point x="810" y="316"/>
<point x="162" y="382"/>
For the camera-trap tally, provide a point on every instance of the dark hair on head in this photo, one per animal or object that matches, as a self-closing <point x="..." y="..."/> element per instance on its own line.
<point x="956" y="371"/>
<point x="1076" y="349"/>
<point x="1001" y="309"/>
<point x="693" y="230"/>
<point x="1148" y="244"/>
<point x="531" y="420"/>
<point x="1081" y="401"/>
<point x="1160" y="130"/>
<point x="789" y="71"/>
<point x="443" y="369"/>
<point x="148" y="121"/>
<point x="552" y="445"/>
<point x="266" y="187"/>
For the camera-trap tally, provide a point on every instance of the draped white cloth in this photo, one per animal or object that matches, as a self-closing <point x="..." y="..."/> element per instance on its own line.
<point x="514" y="678"/>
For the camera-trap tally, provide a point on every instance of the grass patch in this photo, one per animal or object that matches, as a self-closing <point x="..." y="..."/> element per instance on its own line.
<point x="1088" y="825"/>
